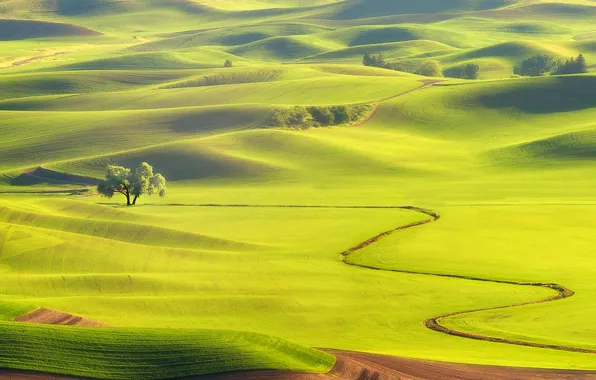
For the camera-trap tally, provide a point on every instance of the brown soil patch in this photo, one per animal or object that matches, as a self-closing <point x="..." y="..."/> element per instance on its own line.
<point x="364" y="366"/>
<point x="51" y="317"/>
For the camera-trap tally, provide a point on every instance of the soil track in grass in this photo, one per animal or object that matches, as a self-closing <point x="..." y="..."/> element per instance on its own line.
<point x="52" y="317"/>
<point x="364" y="366"/>
<point x="426" y="83"/>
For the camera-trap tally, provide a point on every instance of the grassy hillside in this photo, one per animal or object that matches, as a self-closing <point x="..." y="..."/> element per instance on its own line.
<point x="240" y="266"/>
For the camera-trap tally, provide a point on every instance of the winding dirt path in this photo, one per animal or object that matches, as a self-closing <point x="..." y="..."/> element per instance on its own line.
<point x="366" y="366"/>
<point x="434" y="323"/>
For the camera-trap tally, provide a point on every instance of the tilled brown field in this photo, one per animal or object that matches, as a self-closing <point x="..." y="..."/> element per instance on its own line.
<point x="51" y="317"/>
<point x="364" y="366"/>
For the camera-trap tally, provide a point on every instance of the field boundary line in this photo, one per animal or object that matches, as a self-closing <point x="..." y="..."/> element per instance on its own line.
<point x="377" y="104"/>
<point x="434" y="323"/>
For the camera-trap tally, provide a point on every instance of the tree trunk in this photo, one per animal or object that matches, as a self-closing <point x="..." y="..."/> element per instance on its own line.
<point x="127" y="194"/>
<point x="134" y="201"/>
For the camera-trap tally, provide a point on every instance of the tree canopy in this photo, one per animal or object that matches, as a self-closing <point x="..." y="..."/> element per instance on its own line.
<point x="572" y="66"/>
<point x="374" y="60"/>
<point x="119" y="179"/>
<point x="430" y="69"/>
<point x="468" y="71"/>
<point x="535" y="66"/>
<point x="542" y="64"/>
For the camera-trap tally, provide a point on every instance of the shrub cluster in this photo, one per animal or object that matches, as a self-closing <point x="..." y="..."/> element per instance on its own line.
<point x="430" y="68"/>
<point x="542" y="64"/>
<point x="316" y="116"/>
<point x="374" y="60"/>
<point x="469" y="71"/>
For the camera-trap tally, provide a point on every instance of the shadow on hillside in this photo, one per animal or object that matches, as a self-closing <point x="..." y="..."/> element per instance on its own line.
<point x="376" y="8"/>
<point x="549" y="95"/>
<point x="42" y="176"/>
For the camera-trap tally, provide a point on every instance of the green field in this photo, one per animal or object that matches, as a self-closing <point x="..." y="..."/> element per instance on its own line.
<point x="239" y="267"/>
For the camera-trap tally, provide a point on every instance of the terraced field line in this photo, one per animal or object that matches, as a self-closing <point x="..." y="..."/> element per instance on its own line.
<point x="32" y="59"/>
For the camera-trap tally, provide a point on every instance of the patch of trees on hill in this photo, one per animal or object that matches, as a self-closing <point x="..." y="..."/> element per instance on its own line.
<point x="299" y="117"/>
<point x="469" y="71"/>
<point x="430" y="68"/>
<point x="572" y="66"/>
<point x="542" y="64"/>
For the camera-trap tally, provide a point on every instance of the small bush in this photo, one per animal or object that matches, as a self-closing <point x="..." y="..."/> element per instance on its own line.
<point x="322" y="115"/>
<point x="301" y="118"/>
<point x="430" y="69"/>
<point x="469" y="71"/>
<point x="343" y="114"/>
<point x="279" y="118"/>
<point x="298" y="116"/>
<point x="374" y="60"/>
<point x="295" y="117"/>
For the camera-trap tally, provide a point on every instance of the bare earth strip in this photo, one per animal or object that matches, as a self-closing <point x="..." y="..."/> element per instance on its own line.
<point x="365" y="366"/>
<point x="51" y="317"/>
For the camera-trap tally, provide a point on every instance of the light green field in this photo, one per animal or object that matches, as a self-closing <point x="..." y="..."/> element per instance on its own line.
<point x="194" y="284"/>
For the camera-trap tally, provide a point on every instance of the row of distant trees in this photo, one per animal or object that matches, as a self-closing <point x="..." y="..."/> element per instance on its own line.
<point x="299" y="117"/>
<point x="544" y="64"/>
<point x="533" y="66"/>
<point x="430" y="68"/>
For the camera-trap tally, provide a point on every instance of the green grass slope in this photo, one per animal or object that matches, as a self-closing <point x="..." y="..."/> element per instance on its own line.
<point x="147" y="354"/>
<point x="23" y="29"/>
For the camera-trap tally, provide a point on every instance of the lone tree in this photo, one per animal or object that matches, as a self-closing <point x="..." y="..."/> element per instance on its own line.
<point x="121" y="180"/>
<point x="228" y="63"/>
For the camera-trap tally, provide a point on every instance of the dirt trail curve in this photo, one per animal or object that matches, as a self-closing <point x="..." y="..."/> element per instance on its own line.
<point x="434" y="323"/>
<point x="426" y="83"/>
<point x="365" y="366"/>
